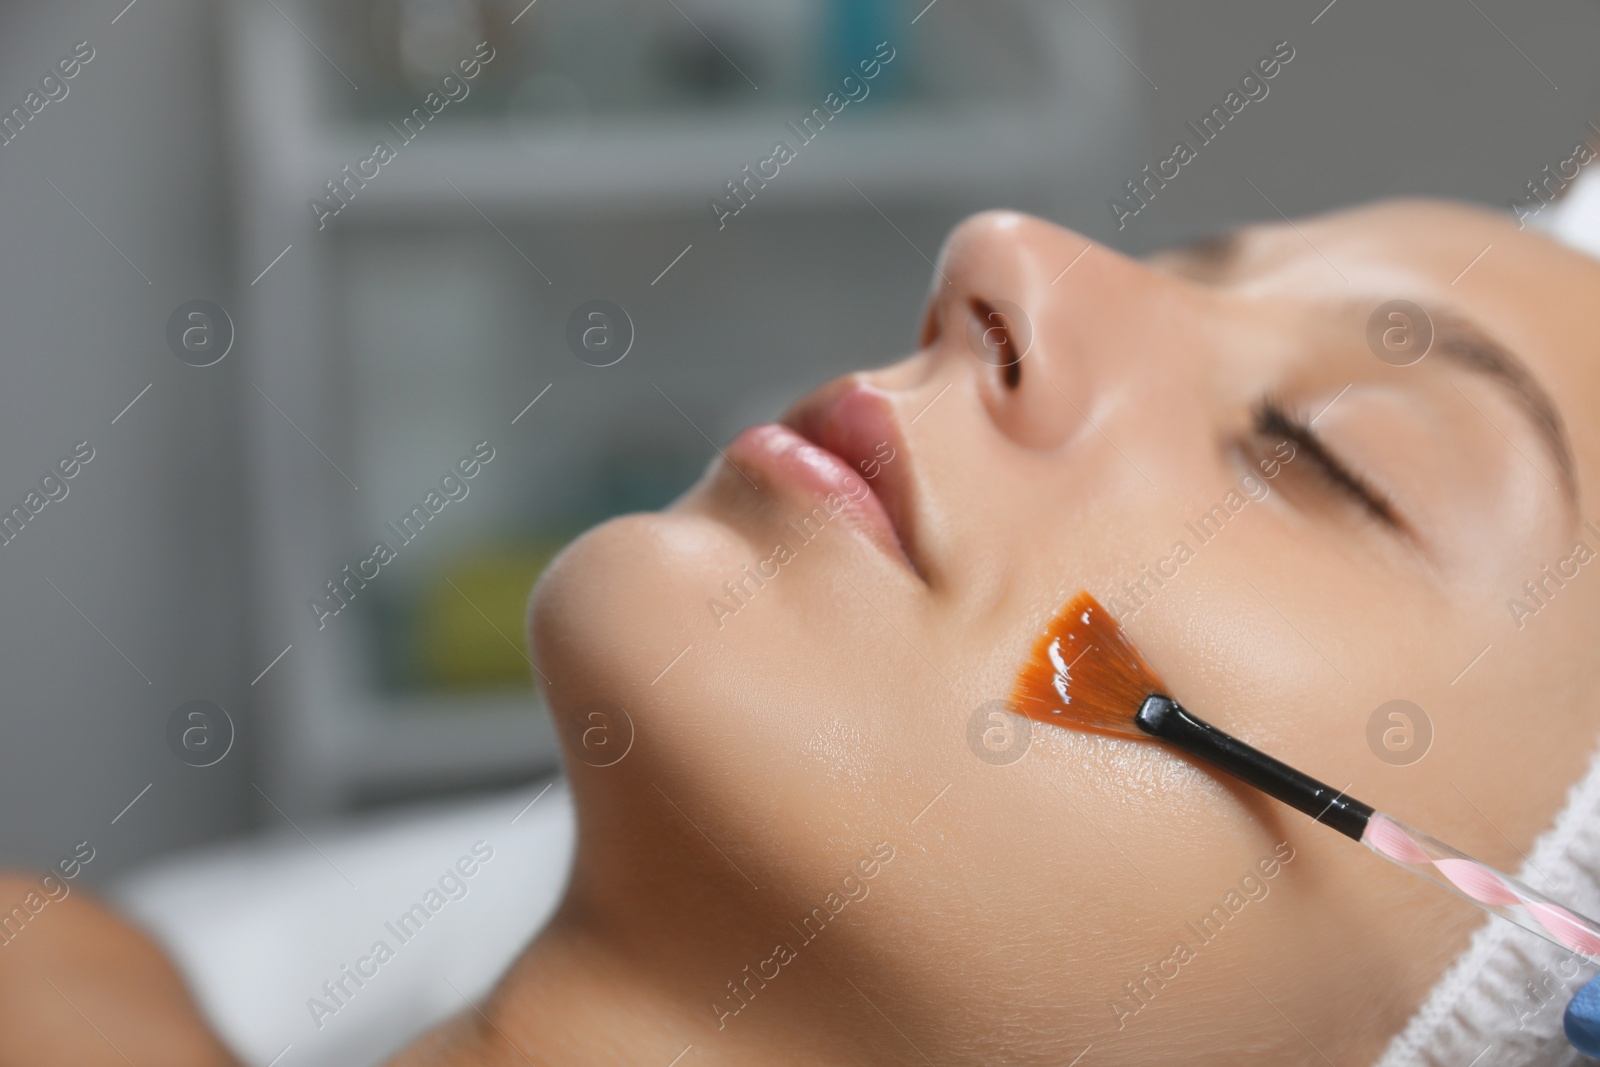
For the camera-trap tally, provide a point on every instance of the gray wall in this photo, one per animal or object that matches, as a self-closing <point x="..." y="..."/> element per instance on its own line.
<point x="147" y="541"/>
<point x="1416" y="97"/>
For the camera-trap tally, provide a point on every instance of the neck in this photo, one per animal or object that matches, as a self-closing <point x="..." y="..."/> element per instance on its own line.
<point x="573" y="997"/>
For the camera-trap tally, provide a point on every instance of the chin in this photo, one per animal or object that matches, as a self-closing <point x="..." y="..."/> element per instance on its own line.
<point x="617" y="604"/>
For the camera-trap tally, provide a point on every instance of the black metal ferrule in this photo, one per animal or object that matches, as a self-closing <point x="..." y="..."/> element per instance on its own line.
<point x="1165" y="718"/>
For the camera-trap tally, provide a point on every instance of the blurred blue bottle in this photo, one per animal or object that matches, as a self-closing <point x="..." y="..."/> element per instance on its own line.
<point x="852" y="30"/>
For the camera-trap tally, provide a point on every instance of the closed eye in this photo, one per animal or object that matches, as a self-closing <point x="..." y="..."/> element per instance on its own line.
<point x="1273" y="419"/>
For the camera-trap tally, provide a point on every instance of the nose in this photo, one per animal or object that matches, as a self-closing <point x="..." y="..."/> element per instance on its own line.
<point x="1052" y="327"/>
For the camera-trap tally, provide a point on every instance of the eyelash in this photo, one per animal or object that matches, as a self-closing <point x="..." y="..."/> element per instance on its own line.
<point x="1273" y="419"/>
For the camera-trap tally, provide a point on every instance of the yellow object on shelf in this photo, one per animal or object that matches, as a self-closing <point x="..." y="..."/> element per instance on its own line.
<point x="468" y="626"/>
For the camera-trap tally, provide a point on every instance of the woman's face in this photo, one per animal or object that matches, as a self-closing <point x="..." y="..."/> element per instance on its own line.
<point x="1294" y="530"/>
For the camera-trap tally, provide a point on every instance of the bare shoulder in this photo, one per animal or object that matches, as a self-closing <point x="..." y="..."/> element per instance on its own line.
<point x="80" y="985"/>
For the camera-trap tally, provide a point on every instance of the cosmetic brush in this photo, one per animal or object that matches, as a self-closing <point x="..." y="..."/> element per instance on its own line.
<point x="1084" y="672"/>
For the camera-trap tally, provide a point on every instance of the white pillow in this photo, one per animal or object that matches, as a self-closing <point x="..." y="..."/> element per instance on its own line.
<point x="257" y="927"/>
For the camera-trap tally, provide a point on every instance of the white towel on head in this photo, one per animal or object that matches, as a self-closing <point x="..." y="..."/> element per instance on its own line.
<point x="1575" y="218"/>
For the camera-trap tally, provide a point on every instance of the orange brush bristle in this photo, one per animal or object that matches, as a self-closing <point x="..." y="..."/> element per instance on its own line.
<point x="1083" y="672"/>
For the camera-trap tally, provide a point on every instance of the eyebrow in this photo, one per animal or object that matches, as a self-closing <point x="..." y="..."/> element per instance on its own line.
<point x="1465" y="344"/>
<point x="1217" y="250"/>
<point x="1209" y="258"/>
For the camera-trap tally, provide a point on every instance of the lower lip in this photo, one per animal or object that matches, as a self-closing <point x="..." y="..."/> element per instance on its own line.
<point x="780" y="452"/>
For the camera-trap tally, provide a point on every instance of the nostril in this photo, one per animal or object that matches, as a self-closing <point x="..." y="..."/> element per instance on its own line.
<point x="1011" y="374"/>
<point x="994" y="343"/>
<point x="930" y="325"/>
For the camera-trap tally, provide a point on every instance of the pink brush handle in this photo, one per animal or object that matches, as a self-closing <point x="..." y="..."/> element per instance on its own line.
<point x="1486" y="887"/>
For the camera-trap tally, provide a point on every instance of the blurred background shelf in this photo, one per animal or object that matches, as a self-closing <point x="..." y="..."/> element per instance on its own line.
<point x="624" y="103"/>
<point x="424" y="745"/>
<point x="530" y="169"/>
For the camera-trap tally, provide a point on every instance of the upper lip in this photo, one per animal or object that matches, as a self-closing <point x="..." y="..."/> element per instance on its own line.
<point x="857" y="422"/>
